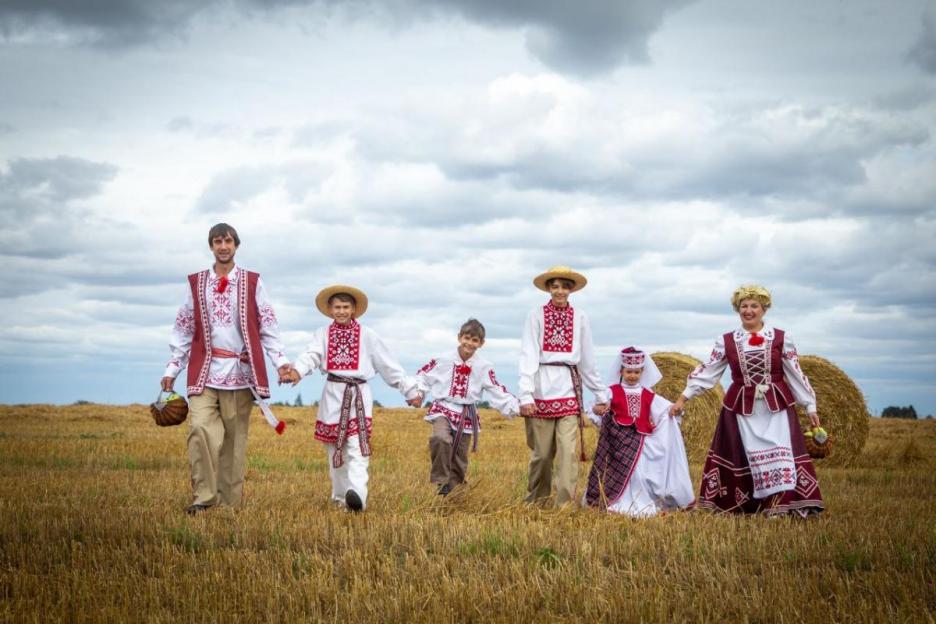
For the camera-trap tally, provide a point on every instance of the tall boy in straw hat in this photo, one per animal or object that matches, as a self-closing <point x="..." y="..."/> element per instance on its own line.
<point x="349" y="354"/>
<point x="557" y="358"/>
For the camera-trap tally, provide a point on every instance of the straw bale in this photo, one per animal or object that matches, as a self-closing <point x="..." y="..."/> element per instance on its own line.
<point x="698" y="425"/>
<point x="842" y="409"/>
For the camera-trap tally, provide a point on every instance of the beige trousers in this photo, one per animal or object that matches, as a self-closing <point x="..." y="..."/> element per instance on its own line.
<point x="445" y="468"/>
<point x="217" y="445"/>
<point x="550" y="438"/>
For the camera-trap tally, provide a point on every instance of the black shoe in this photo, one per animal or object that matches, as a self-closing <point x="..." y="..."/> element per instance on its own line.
<point x="353" y="501"/>
<point x="195" y="509"/>
<point x="444" y="489"/>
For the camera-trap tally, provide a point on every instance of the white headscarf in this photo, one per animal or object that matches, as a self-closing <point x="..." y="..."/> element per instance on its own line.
<point x="650" y="376"/>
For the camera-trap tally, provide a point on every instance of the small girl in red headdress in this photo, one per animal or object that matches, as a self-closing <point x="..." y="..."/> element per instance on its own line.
<point x="640" y="464"/>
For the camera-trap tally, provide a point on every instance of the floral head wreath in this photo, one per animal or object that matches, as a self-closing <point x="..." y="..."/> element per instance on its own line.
<point x="750" y="291"/>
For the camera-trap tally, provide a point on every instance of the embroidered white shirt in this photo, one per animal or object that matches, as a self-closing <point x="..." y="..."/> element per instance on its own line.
<point x="224" y="373"/>
<point x="573" y="346"/>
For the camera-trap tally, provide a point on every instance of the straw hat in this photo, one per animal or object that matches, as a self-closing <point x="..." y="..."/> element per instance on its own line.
<point x="562" y="272"/>
<point x="360" y="299"/>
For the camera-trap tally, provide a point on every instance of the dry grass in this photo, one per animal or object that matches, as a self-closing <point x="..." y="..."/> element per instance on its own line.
<point x="92" y="529"/>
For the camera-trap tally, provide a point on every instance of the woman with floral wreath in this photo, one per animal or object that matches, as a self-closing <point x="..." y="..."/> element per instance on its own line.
<point x="758" y="461"/>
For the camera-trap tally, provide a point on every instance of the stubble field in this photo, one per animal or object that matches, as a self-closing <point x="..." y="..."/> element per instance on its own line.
<point x="92" y="529"/>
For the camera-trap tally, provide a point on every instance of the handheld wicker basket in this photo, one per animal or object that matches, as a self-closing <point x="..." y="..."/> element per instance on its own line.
<point x="169" y="413"/>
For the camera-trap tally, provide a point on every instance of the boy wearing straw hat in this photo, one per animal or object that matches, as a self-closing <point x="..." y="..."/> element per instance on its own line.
<point x="349" y="354"/>
<point x="456" y="382"/>
<point x="557" y="358"/>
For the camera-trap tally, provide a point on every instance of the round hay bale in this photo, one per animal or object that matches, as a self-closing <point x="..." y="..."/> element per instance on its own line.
<point x="842" y="409"/>
<point x="698" y="425"/>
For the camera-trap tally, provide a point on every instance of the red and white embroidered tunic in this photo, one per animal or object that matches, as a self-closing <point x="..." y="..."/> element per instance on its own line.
<point x="222" y="317"/>
<point x="765" y="435"/>
<point x="350" y="350"/>
<point x="557" y="335"/>
<point x="452" y="383"/>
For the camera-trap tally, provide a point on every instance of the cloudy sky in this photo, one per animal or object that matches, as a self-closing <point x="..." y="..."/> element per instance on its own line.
<point x="440" y="154"/>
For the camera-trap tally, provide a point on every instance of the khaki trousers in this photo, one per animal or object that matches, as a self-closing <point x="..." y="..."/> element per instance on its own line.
<point x="550" y="438"/>
<point x="217" y="445"/>
<point x="445" y="468"/>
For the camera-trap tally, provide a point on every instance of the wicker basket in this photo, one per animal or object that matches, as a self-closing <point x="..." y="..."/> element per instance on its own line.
<point x="816" y="450"/>
<point x="169" y="413"/>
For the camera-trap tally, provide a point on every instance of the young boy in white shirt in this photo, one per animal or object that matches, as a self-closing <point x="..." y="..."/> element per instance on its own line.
<point x="455" y="381"/>
<point x="349" y="354"/>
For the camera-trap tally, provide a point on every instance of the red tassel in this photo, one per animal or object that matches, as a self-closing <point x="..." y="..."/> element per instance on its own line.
<point x="755" y="340"/>
<point x="222" y="284"/>
<point x="280" y="428"/>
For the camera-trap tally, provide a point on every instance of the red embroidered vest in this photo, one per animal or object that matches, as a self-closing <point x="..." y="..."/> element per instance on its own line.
<point x="748" y="370"/>
<point x="248" y="319"/>
<point x="621" y="411"/>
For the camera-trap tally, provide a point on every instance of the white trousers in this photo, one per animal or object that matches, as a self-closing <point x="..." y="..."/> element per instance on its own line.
<point x="352" y="474"/>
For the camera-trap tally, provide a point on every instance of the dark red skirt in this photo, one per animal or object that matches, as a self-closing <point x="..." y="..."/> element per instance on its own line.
<point x="618" y="450"/>
<point x="726" y="478"/>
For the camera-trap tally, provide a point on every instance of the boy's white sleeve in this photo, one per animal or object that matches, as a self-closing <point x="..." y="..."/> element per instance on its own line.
<point x="795" y="377"/>
<point x="269" y="328"/>
<point x="424" y="377"/>
<point x="707" y="374"/>
<point x="529" y="358"/>
<point x="314" y="353"/>
<point x="501" y="398"/>
<point x="388" y="367"/>
<point x="180" y="342"/>
<point x="588" y="368"/>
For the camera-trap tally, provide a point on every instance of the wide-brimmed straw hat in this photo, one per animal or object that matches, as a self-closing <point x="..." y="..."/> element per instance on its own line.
<point x="360" y="299"/>
<point x="562" y="272"/>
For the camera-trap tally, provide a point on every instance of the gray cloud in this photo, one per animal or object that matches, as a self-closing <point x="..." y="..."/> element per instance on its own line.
<point x="587" y="38"/>
<point x="38" y="203"/>
<point x="923" y="52"/>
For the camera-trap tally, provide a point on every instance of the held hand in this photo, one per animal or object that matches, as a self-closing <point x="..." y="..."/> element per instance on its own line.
<point x="600" y="409"/>
<point x="166" y="383"/>
<point x="284" y="372"/>
<point x="814" y="420"/>
<point x="528" y="410"/>
<point x="416" y="401"/>
<point x="677" y="408"/>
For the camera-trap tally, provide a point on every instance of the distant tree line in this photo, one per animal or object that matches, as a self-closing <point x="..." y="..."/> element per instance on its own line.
<point x="899" y="412"/>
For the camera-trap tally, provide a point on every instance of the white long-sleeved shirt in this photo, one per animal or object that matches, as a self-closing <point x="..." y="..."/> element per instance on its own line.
<point x="707" y="374"/>
<point x="561" y="335"/>
<point x="452" y="383"/>
<point x="224" y="373"/>
<point x="351" y="350"/>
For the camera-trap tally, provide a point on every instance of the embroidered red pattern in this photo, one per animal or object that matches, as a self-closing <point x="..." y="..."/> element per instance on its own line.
<point x="633" y="404"/>
<point x="558" y="325"/>
<point x="428" y="367"/>
<point x="556" y="408"/>
<point x="712" y="486"/>
<point x="461" y="374"/>
<point x="437" y="409"/>
<point x="185" y="321"/>
<point x="496" y="383"/>
<point x="233" y="379"/>
<point x="329" y="433"/>
<point x="267" y="316"/>
<point x="344" y="346"/>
